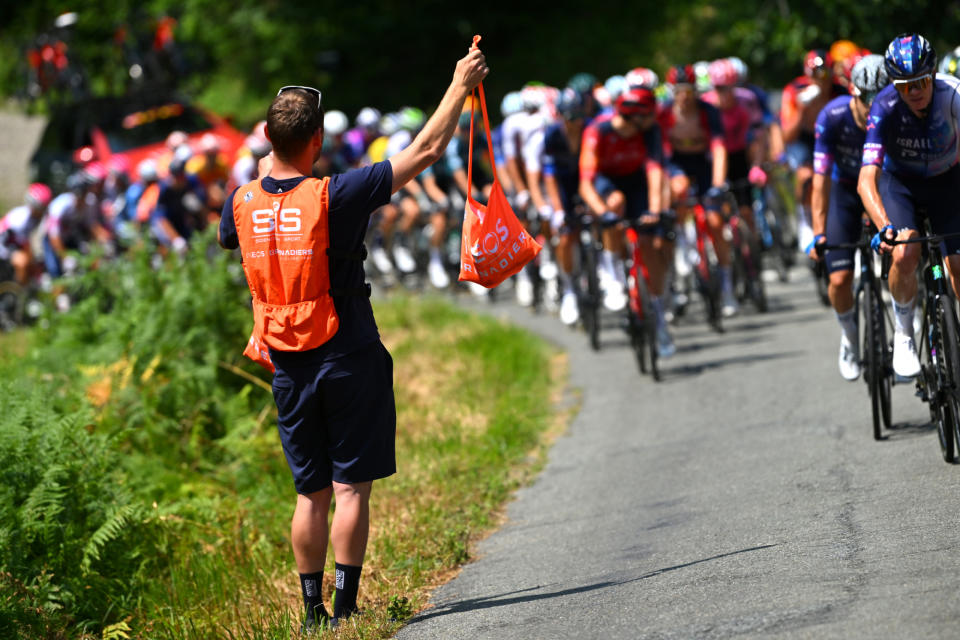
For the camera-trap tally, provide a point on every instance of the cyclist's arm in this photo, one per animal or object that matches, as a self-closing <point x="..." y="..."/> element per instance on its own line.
<point x="870" y="195"/>
<point x="819" y="199"/>
<point x="589" y="163"/>
<point x="655" y="187"/>
<point x="532" y="151"/>
<point x="553" y="191"/>
<point x="790" y="118"/>
<point x="434" y="192"/>
<point x="460" y="179"/>
<point x="432" y="141"/>
<point x="822" y="165"/>
<point x="719" y="163"/>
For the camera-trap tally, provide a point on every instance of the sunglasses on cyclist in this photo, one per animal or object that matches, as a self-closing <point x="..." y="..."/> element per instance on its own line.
<point x="290" y="87"/>
<point x="920" y="83"/>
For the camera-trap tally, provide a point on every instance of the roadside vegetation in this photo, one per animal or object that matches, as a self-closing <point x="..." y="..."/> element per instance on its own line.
<point x="143" y="492"/>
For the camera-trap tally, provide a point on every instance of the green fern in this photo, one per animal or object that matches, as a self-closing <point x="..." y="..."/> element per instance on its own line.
<point x="109" y="530"/>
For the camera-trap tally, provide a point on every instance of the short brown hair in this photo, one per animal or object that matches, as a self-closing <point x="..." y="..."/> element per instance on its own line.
<point x="292" y="118"/>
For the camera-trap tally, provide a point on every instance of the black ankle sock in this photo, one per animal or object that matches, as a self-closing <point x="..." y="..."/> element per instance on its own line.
<point x="348" y="583"/>
<point x="310" y="584"/>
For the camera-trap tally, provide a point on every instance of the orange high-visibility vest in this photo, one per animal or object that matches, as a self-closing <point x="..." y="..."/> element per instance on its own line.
<point x="285" y="239"/>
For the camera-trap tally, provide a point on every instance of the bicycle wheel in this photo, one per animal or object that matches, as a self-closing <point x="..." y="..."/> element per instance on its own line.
<point x="648" y="327"/>
<point x="946" y="415"/>
<point x="885" y="359"/>
<point x="951" y="361"/>
<point x="873" y="355"/>
<point x="12" y="300"/>
<point x="590" y="294"/>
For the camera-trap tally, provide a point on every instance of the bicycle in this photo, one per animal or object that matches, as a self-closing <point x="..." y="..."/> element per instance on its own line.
<point x="747" y="269"/>
<point x="938" y="383"/>
<point x="587" y="283"/>
<point x="876" y="355"/>
<point x="641" y="319"/>
<point x="707" y="270"/>
<point x="13" y="297"/>
<point x="778" y="202"/>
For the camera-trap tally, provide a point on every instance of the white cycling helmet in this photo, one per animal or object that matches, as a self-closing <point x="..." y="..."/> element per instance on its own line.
<point x="389" y="124"/>
<point x="615" y="85"/>
<point x="147" y="170"/>
<point x="368" y="118"/>
<point x="335" y="122"/>
<point x="512" y="103"/>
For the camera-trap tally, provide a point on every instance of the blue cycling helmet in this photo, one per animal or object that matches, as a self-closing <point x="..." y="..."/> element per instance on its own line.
<point x="908" y="56"/>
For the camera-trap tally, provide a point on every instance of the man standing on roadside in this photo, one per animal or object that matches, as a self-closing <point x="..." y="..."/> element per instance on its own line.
<point x="301" y="242"/>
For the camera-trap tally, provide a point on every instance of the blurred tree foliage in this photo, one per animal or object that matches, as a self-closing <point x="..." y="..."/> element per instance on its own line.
<point x="389" y="53"/>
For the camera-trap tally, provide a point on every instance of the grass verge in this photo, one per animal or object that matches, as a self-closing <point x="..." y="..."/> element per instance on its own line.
<point x="143" y="492"/>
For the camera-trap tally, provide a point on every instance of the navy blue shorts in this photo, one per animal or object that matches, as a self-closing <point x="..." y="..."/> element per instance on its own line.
<point x="634" y="189"/>
<point x="337" y="419"/>
<point x="844" y="224"/>
<point x="902" y="196"/>
<point x="696" y="166"/>
<point x="738" y="170"/>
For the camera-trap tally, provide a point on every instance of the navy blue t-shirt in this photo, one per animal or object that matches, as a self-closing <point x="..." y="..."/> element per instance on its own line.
<point x="353" y="196"/>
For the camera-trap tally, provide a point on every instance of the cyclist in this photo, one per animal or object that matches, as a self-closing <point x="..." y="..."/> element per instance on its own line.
<point x="561" y="178"/>
<point x="407" y="203"/>
<point x="180" y="208"/>
<point x="212" y="169"/>
<point x="741" y="118"/>
<point x="366" y="131"/>
<point x="255" y="146"/>
<point x="337" y="155"/>
<point x="837" y="210"/>
<point x="799" y="107"/>
<point x="910" y="162"/>
<point x="521" y="156"/>
<point x="950" y="63"/>
<point x="693" y="133"/>
<point x="16" y="228"/>
<point x="621" y="177"/>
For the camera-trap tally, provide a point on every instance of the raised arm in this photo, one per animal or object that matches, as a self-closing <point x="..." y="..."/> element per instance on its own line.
<point x="432" y="140"/>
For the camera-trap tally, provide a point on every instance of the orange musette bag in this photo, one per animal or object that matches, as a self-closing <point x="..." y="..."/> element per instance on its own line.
<point x="494" y="245"/>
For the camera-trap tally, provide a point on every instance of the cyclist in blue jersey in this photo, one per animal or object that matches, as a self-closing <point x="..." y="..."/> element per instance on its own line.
<point x="910" y="162"/>
<point x="561" y="178"/>
<point x="837" y="210"/>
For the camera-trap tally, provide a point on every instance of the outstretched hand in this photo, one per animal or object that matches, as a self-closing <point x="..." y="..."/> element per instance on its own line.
<point x="471" y="69"/>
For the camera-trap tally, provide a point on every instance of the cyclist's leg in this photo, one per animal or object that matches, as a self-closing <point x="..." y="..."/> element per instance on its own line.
<point x="844" y="226"/>
<point x="610" y="264"/>
<point x="941" y="201"/>
<point x="899" y="201"/>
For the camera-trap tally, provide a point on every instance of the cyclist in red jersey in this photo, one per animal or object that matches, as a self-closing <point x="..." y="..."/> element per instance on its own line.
<point x="802" y="101"/>
<point x="693" y="133"/>
<point x="621" y="176"/>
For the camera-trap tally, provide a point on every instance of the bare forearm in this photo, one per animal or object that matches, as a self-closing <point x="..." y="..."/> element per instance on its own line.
<point x="867" y="188"/>
<point x="589" y="194"/>
<point x="819" y="199"/>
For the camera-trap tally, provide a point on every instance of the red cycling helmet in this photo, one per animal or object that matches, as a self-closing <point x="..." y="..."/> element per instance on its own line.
<point x="681" y="74"/>
<point x="636" y="101"/>
<point x="723" y="73"/>
<point x="38" y="195"/>
<point x="818" y="62"/>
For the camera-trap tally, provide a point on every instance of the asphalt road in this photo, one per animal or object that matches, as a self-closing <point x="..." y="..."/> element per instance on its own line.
<point x="743" y="496"/>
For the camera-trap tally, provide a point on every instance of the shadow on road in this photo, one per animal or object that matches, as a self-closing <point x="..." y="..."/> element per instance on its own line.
<point x="499" y="600"/>
<point x="909" y="430"/>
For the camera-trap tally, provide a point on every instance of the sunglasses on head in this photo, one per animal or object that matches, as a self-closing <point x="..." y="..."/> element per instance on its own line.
<point x="920" y="83"/>
<point x="302" y="88"/>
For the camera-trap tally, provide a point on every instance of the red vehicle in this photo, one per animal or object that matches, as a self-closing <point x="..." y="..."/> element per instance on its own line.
<point x="134" y="127"/>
